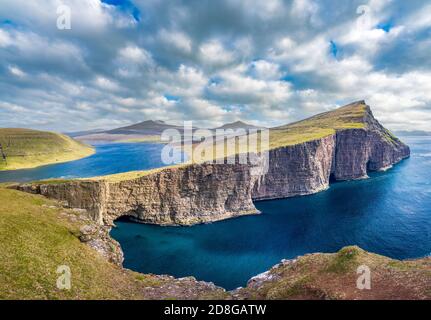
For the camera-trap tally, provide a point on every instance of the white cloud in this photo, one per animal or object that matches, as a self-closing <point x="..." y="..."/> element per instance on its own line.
<point x="214" y="53"/>
<point x="265" y="70"/>
<point x="106" y="84"/>
<point x="135" y="54"/>
<point x="218" y="62"/>
<point x="16" y="71"/>
<point x="176" y="39"/>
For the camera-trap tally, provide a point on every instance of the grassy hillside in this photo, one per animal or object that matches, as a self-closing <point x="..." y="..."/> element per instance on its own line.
<point x="35" y="239"/>
<point x="348" y="117"/>
<point x="37" y="236"/>
<point x="24" y="148"/>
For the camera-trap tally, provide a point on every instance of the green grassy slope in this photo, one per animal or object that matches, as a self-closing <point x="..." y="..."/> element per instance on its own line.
<point x="348" y="117"/>
<point x="25" y="148"/>
<point x="37" y="236"/>
<point x="35" y="239"/>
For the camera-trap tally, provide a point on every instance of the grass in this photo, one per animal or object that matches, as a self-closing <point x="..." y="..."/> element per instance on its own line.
<point x="25" y="148"/>
<point x="37" y="236"/>
<point x="35" y="239"/>
<point x="334" y="276"/>
<point x="351" y="116"/>
<point x="344" y="260"/>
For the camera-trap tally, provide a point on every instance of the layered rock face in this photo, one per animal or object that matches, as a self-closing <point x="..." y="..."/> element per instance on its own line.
<point x="209" y="192"/>
<point x="174" y="196"/>
<point x="360" y="150"/>
<point x="297" y="170"/>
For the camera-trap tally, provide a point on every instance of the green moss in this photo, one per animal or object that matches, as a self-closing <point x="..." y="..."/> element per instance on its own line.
<point x="344" y="260"/>
<point x="288" y="288"/>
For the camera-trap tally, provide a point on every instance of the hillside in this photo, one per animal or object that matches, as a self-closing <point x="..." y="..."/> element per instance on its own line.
<point x="350" y="116"/>
<point x="37" y="236"/>
<point x="25" y="148"/>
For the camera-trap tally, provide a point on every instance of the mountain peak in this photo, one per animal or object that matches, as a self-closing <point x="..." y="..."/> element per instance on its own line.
<point x="238" y="124"/>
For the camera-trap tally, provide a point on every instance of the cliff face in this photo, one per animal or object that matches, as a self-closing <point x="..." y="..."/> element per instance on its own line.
<point x="370" y="149"/>
<point x="210" y="192"/>
<point x="297" y="170"/>
<point x="183" y="196"/>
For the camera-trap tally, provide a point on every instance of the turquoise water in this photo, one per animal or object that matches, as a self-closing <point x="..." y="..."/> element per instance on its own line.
<point x="389" y="214"/>
<point x="109" y="159"/>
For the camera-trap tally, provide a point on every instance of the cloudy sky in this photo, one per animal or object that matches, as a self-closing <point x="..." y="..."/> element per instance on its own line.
<point x="267" y="62"/>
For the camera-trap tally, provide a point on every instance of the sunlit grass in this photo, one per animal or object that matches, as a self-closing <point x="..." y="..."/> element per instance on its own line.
<point x="24" y="148"/>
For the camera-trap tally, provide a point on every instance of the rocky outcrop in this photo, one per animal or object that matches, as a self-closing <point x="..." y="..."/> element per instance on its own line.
<point x="372" y="148"/>
<point x="338" y="276"/>
<point x="202" y="193"/>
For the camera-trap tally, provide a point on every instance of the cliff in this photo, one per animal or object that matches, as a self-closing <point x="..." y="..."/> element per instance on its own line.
<point x="343" y="144"/>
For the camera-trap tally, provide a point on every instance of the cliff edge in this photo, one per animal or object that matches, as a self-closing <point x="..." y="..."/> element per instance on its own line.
<point x="303" y="157"/>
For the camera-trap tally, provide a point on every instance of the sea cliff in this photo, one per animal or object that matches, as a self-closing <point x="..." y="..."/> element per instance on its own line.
<point x="199" y="193"/>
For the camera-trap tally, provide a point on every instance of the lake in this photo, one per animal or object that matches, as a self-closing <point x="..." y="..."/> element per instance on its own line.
<point x="109" y="159"/>
<point x="389" y="214"/>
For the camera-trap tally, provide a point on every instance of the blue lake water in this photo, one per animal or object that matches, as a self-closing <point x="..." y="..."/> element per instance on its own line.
<point x="389" y="214"/>
<point x="109" y="159"/>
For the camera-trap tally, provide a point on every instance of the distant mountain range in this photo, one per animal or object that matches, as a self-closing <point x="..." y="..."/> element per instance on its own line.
<point x="149" y="130"/>
<point x="413" y="133"/>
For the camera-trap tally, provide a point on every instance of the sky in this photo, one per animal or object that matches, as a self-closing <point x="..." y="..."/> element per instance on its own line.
<point x="265" y="62"/>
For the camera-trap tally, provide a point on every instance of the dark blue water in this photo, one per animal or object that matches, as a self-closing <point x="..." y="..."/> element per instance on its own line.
<point x="389" y="214"/>
<point x="108" y="159"/>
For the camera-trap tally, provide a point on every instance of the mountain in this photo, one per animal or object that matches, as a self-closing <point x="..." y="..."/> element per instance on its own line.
<point x="146" y="131"/>
<point x="238" y="125"/>
<point x="149" y="127"/>
<point x="25" y="148"/>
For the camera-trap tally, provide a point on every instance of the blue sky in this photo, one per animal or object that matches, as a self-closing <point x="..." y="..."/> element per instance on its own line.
<point x="266" y="62"/>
